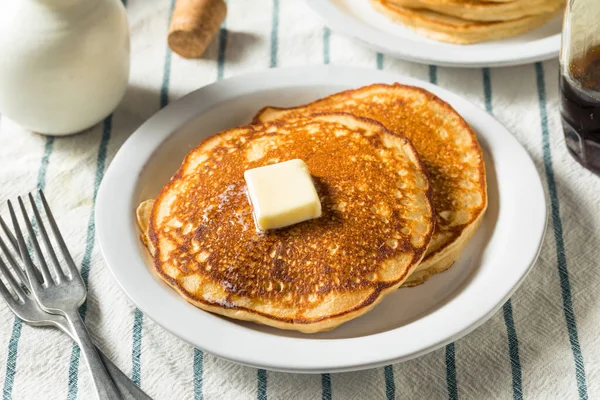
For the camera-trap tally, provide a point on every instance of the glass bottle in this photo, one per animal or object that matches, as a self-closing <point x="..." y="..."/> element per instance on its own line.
<point x="580" y="82"/>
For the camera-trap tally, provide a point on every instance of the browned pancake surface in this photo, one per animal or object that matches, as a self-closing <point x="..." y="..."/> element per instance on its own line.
<point x="377" y="222"/>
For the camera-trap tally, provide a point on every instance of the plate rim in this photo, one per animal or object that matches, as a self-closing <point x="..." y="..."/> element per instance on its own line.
<point x="350" y="27"/>
<point x="117" y="234"/>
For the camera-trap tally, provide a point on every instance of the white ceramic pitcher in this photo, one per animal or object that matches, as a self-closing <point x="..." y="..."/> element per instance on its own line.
<point x="64" y="64"/>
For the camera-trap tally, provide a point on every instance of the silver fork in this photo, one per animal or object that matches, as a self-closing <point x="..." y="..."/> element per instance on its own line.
<point x="62" y="293"/>
<point x="24" y="306"/>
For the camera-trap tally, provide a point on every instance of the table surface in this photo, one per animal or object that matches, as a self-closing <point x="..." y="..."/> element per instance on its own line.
<point x="543" y="343"/>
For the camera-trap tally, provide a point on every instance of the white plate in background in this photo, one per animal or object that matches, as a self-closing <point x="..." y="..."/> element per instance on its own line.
<point x="406" y="324"/>
<point x="358" y="19"/>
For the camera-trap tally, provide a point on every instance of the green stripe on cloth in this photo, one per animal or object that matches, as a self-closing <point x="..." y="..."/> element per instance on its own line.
<point x="561" y="258"/>
<point x="433" y="74"/>
<point x="325" y="386"/>
<point x="164" y="90"/>
<point x="89" y="247"/>
<point x="513" y="350"/>
<point x="451" y="373"/>
<point x="13" y="343"/>
<point x="511" y="331"/>
<point x="379" y="61"/>
<point x="222" y="48"/>
<point x="11" y="360"/>
<point x="198" y="374"/>
<point x="41" y="180"/>
<point x="136" y="349"/>
<point x="390" y="386"/>
<point x="261" y="392"/>
<point x="326" y="41"/>
<point x="274" y="33"/>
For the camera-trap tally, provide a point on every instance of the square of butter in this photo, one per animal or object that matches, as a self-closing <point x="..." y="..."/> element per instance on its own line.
<point x="282" y="194"/>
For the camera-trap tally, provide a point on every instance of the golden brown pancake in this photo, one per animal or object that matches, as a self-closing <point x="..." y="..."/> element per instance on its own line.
<point x="456" y="30"/>
<point x="482" y="10"/>
<point x="446" y="145"/>
<point x="377" y="221"/>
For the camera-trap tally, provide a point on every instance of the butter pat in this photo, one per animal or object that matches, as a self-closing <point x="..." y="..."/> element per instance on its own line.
<point x="282" y="194"/>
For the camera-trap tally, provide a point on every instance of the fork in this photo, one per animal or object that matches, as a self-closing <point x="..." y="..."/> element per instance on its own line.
<point x="61" y="293"/>
<point x="24" y="306"/>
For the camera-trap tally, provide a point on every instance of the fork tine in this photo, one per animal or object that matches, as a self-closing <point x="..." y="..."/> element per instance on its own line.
<point x="11" y="280"/>
<point x="9" y="235"/>
<point x="11" y="260"/>
<point x="9" y="298"/>
<point x="36" y="245"/>
<point x="61" y="242"/>
<point x="29" y="268"/>
<point x="57" y="268"/>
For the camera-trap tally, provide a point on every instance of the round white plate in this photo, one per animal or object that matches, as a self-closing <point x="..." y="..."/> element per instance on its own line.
<point x="359" y="20"/>
<point x="407" y="323"/>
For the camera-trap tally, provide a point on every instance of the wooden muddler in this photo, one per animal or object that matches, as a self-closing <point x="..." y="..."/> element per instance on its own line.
<point x="194" y="24"/>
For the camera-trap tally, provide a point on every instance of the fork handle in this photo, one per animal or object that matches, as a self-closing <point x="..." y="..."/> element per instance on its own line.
<point x="128" y="389"/>
<point x="105" y="387"/>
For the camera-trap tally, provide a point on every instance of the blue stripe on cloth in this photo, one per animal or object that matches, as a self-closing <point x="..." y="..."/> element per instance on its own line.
<point x="198" y="374"/>
<point x="164" y="90"/>
<point x="11" y="360"/>
<point x="487" y="90"/>
<point x="41" y="180"/>
<point x="513" y="341"/>
<point x="433" y="74"/>
<point x="563" y="272"/>
<point x="222" y="48"/>
<point x="325" y="386"/>
<point x="274" y="34"/>
<point x="261" y="392"/>
<point x="513" y="350"/>
<point x="13" y="343"/>
<point x="451" y="373"/>
<point x="136" y="349"/>
<point x="390" y="386"/>
<point x="89" y="247"/>
<point x="379" y="61"/>
<point x="326" y="41"/>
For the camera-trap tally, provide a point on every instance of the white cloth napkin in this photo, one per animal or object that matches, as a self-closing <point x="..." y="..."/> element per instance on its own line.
<point x="543" y="344"/>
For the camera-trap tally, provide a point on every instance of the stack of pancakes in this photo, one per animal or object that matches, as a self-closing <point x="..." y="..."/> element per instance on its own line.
<point x="470" y="21"/>
<point x="401" y="181"/>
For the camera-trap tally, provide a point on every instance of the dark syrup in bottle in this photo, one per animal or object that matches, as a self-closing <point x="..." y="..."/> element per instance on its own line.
<point x="580" y="108"/>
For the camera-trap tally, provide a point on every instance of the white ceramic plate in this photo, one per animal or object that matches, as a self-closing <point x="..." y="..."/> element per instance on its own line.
<point x="359" y="20"/>
<point x="407" y="323"/>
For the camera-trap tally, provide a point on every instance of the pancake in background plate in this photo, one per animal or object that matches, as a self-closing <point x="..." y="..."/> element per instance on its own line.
<point x="483" y="10"/>
<point x="376" y="224"/>
<point x="456" y="30"/>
